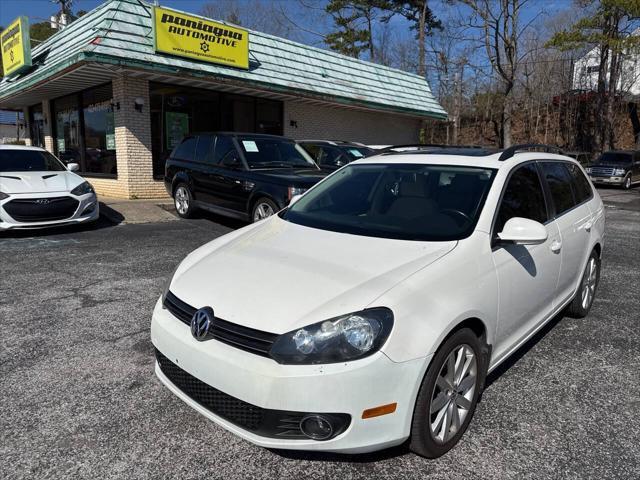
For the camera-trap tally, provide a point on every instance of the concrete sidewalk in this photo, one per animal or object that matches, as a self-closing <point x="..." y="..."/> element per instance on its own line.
<point x="118" y="210"/>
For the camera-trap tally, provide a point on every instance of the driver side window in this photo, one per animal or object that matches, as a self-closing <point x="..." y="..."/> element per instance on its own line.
<point x="523" y="197"/>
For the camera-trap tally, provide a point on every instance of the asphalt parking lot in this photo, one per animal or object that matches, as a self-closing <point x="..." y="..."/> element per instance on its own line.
<point x="79" y="398"/>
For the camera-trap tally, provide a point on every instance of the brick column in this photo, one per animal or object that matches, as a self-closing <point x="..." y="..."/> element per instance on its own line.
<point x="133" y="138"/>
<point x="48" y="125"/>
<point x="27" y="127"/>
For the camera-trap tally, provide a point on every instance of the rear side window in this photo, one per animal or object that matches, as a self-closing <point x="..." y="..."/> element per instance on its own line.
<point x="523" y="197"/>
<point x="559" y="180"/>
<point x="581" y="186"/>
<point x="204" y="150"/>
<point x="186" y="150"/>
<point x="226" y="152"/>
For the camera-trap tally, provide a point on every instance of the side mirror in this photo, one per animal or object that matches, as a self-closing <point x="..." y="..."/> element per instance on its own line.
<point x="523" y="231"/>
<point x="294" y="199"/>
<point x="73" y="167"/>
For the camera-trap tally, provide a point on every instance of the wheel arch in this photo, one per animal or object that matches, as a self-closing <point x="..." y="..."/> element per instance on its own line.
<point x="258" y="196"/>
<point x="180" y="177"/>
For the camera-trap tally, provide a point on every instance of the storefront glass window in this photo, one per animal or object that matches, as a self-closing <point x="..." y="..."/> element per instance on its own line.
<point x="99" y="131"/>
<point x="84" y="130"/>
<point x="36" y="125"/>
<point x="67" y="118"/>
<point x="178" y="111"/>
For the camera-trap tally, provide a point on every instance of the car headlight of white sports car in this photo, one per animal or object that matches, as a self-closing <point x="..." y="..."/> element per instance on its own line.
<point x="82" y="189"/>
<point x="348" y="337"/>
<point x="3" y="196"/>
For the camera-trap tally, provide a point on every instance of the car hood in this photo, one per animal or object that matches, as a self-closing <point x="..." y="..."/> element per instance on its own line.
<point x="292" y="176"/>
<point x="38" y="182"/>
<point x="277" y="276"/>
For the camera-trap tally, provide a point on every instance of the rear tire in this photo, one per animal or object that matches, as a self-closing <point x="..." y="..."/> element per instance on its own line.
<point x="183" y="201"/>
<point x="448" y="395"/>
<point x="581" y="304"/>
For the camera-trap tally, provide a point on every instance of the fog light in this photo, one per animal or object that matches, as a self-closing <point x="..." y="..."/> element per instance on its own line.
<point x="316" y="427"/>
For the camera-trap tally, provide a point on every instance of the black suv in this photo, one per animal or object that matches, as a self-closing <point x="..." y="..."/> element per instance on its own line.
<point x="616" y="168"/>
<point x="243" y="175"/>
<point x="331" y="155"/>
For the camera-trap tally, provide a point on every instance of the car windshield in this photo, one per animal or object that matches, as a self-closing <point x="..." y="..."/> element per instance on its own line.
<point x="612" y="157"/>
<point x="267" y="152"/>
<point x="401" y="201"/>
<point x="29" y="161"/>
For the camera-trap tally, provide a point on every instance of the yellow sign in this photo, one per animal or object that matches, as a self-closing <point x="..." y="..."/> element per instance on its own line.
<point x="16" y="46"/>
<point x="194" y="37"/>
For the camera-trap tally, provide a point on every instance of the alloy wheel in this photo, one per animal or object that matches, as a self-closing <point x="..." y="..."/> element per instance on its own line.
<point x="453" y="393"/>
<point x="182" y="200"/>
<point x="262" y="210"/>
<point x="589" y="283"/>
<point x="627" y="183"/>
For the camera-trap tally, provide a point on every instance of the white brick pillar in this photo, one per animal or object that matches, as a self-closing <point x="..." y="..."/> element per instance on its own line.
<point x="133" y="136"/>
<point x="27" y="127"/>
<point x="48" y="125"/>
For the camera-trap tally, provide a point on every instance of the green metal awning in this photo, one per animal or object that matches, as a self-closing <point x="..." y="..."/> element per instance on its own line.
<point x="118" y="36"/>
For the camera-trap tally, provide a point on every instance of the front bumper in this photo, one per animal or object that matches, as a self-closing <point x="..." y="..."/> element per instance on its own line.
<point x="607" y="180"/>
<point x="88" y="210"/>
<point x="348" y="388"/>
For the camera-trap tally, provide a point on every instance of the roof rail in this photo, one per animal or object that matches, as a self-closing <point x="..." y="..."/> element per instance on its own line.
<point x="511" y="151"/>
<point x="425" y="145"/>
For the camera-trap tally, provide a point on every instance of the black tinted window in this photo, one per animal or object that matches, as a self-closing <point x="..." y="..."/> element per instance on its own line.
<point x="28" y="161"/>
<point x="523" y="197"/>
<point x="615" y="157"/>
<point x="581" y="186"/>
<point x="559" y="181"/>
<point x="186" y="149"/>
<point x="204" y="150"/>
<point x="272" y="152"/>
<point x="226" y="152"/>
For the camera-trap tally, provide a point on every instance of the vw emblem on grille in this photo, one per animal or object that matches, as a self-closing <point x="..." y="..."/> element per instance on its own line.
<point x="42" y="201"/>
<point x="200" y="322"/>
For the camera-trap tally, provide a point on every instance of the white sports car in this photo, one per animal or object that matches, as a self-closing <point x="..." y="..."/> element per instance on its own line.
<point x="37" y="190"/>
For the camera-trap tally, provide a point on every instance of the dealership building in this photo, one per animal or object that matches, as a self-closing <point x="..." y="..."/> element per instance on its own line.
<point x="118" y="88"/>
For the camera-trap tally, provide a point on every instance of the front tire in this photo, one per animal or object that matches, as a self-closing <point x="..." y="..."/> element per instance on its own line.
<point x="448" y="395"/>
<point x="183" y="201"/>
<point x="581" y="304"/>
<point x="627" y="182"/>
<point x="262" y="209"/>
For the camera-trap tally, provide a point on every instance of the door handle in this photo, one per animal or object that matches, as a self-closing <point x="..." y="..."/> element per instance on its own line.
<point x="555" y="246"/>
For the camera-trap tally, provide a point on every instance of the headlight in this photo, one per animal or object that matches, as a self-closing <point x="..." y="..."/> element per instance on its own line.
<point x="619" y="171"/>
<point x="167" y="284"/>
<point x="82" y="189"/>
<point x="340" y="339"/>
<point x="588" y="169"/>
<point x="3" y="196"/>
<point x="293" y="191"/>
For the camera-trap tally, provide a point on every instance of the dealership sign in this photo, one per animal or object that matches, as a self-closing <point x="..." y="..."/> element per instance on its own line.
<point x="16" y="46"/>
<point x="184" y="35"/>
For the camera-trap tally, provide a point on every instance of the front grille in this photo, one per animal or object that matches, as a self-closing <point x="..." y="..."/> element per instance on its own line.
<point x="41" y="209"/>
<point x="602" y="171"/>
<point x="230" y="408"/>
<point x="244" y="338"/>
<point x="261" y="421"/>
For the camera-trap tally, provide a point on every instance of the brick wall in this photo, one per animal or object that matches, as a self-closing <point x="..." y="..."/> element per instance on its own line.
<point x="133" y="144"/>
<point x="48" y="122"/>
<point x="335" y="123"/>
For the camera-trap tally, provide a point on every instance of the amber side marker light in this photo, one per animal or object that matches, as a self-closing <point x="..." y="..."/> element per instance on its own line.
<point x="379" y="411"/>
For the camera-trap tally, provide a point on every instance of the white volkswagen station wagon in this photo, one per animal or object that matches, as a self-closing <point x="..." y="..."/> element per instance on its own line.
<point x="369" y="312"/>
<point x="37" y="190"/>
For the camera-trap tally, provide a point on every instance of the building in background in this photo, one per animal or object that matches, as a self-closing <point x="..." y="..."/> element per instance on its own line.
<point x="118" y="88"/>
<point x="12" y="127"/>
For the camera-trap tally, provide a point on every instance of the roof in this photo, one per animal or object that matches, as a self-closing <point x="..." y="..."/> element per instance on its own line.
<point x="461" y="160"/>
<point x="20" y="147"/>
<point x="120" y="33"/>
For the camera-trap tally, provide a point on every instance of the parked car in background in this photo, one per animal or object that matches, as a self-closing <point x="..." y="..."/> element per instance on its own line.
<point x="331" y="155"/>
<point x="621" y="168"/>
<point x="583" y="158"/>
<point x="37" y="190"/>
<point x="370" y="310"/>
<point x="247" y="176"/>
